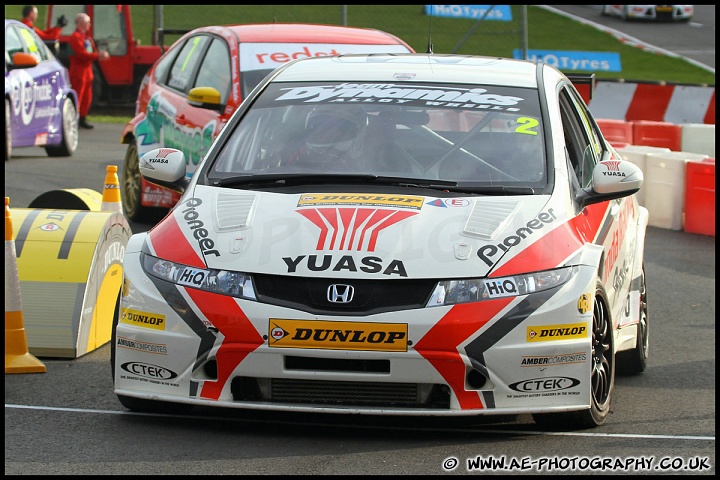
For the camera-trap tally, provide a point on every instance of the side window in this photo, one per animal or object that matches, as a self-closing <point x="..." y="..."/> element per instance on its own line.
<point x="182" y="70"/>
<point x="13" y="44"/>
<point x="215" y="69"/>
<point x="580" y="144"/>
<point x="163" y="66"/>
<point x="33" y="44"/>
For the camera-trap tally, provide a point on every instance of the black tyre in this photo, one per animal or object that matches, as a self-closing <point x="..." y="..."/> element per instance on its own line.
<point x="633" y="362"/>
<point x="8" y="131"/>
<point x="131" y="190"/>
<point x="69" y="142"/>
<point x="602" y="374"/>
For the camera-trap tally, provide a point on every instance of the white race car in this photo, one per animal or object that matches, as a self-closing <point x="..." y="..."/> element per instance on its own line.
<point x="392" y="234"/>
<point x="649" y="12"/>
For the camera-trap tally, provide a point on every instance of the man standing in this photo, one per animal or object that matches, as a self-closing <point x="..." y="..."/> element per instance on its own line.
<point x="30" y="13"/>
<point x="82" y="55"/>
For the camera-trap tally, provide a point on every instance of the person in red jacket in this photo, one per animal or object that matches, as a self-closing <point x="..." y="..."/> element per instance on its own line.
<point x="83" y="53"/>
<point x="30" y="13"/>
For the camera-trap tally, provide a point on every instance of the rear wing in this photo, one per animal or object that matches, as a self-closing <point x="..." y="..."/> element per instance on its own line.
<point x="584" y="83"/>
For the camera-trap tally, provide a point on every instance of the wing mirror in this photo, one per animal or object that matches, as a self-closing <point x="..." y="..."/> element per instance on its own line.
<point x="611" y="179"/>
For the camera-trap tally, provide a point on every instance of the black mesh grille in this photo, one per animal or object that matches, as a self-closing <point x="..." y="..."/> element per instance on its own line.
<point x="323" y="392"/>
<point x="371" y="296"/>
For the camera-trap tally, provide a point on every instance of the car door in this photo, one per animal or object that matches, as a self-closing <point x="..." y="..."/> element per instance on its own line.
<point x="33" y="95"/>
<point x="214" y="71"/>
<point x="167" y="122"/>
<point x="617" y="236"/>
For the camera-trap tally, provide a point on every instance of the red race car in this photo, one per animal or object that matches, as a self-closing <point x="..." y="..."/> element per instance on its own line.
<point x="194" y="88"/>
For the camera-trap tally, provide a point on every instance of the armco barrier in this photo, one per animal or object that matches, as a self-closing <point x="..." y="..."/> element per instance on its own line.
<point x="618" y="132"/>
<point x="664" y="185"/>
<point x="700" y="197"/>
<point x="698" y="138"/>
<point x="637" y="154"/>
<point x="631" y="101"/>
<point x="657" y="134"/>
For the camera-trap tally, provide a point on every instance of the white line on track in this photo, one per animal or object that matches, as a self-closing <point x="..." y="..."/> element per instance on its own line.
<point x="285" y="422"/>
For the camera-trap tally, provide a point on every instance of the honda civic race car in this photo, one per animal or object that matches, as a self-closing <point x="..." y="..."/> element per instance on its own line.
<point x="40" y="103"/>
<point x="392" y="234"/>
<point x="192" y="91"/>
<point x="649" y="12"/>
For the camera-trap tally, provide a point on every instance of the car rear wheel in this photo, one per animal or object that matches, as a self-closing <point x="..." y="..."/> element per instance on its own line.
<point x="69" y="141"/>
<point x="8" y="131"/>
<point x="633" y="362"/>
<point x="602" y="374"/>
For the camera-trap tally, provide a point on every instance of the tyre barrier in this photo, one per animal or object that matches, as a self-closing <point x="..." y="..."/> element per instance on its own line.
<point x="619" y="133"/>
<point x="698" y="138"/>
<point x="69" y="199"/>
<point x="657" y="134"/>
<point x="679" y="187"/>
<point x="69" y="264"/>
<point x="637" y="154"/>
<point x="687" y="137"/>
<point x="700" y="197"/>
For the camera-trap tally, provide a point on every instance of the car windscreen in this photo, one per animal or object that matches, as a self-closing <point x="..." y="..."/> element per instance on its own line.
<point x="469" y="134"/>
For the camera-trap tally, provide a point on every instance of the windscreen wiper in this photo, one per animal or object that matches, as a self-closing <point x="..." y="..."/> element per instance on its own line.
<point x="284" y="179"/>
<point x="500" y="190"/>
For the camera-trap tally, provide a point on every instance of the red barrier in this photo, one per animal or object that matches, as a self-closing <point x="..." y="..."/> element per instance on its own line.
<point x="619" y="133"/>
<point x="657" y="134"/>
<point x="700" y="197"/>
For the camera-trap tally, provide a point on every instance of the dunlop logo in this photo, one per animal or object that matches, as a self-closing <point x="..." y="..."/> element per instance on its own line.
<point x="386" y="337"/>
<point x="550" y="333"/>
<point x="142" y="319"/>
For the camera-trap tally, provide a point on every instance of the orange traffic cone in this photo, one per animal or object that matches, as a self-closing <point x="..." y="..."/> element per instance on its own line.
<point x="17" y="357"/>
<point x="111" y="193"/>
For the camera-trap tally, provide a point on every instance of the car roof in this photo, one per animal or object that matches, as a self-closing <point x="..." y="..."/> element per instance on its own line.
<point x="416" y="67"/>
<point x="307" y="33"/>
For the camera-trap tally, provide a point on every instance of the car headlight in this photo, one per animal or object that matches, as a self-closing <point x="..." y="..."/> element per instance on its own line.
<point x="223" y="282"/>
<point x="450" y="292"/>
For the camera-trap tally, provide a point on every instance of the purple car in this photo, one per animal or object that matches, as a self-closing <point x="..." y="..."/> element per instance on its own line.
<point x="40" y="104"/>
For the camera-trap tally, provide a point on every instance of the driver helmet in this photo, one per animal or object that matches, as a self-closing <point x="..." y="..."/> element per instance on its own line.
<point x="332" y="131"/>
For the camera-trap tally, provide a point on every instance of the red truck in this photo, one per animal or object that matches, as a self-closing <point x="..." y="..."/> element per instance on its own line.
<point x="116" y="80"/>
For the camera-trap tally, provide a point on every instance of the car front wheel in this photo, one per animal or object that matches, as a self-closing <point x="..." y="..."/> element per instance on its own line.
<point x="8" y="131"/>
<point x="602" y="374"/>
<point x="69" y="141"/>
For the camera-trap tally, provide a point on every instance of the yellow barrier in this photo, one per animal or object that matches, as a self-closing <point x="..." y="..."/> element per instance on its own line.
<point x="70" y="270"/>
<point x="69" y="251"/>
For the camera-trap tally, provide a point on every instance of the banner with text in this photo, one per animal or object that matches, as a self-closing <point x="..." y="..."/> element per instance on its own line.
<point x="502" y="13"/>
<point x="574" y="60"/>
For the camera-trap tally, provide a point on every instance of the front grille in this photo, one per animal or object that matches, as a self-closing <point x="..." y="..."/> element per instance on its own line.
<point x="336" y="364"/>
<point x="371" y="296"/>
<point x="341" y="393"/>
